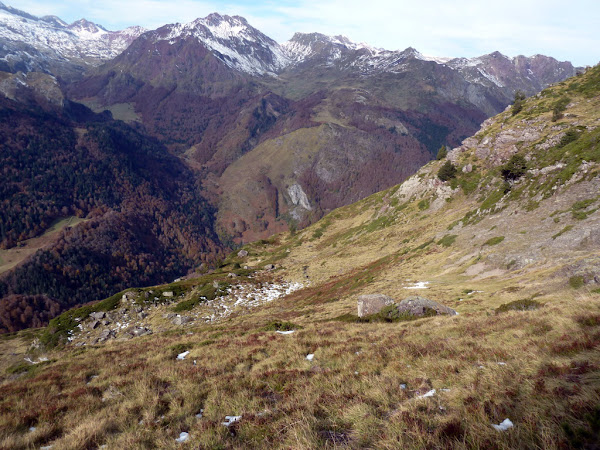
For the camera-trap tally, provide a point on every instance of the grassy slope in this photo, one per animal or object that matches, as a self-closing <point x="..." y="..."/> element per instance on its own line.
<point x="539" y="367"/>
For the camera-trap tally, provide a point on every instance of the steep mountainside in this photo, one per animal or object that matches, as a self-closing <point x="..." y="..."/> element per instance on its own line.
<point x="268" y="350"/>
<point x="221" y="93"/>
<point x="145" y="220"/>
<point x="48" y="44"/>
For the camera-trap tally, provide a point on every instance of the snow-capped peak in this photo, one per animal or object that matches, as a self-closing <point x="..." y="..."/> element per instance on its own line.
<point x="82" y="41"/>
<point x="234" y="41"/>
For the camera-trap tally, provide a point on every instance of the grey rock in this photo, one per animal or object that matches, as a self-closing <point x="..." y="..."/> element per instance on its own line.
<point x="468" y="168"/>
<point x="140" y="331"/>
<point x="106" y="334"/>
<point x="142" y="315"/>
<point x="372" y="303"/>
<point x="216" y="284"/>
<point x="168" y="294"/>
<point x="137" y="309"/>
<point x="181" y="320"/>
<point x="270" y="267"/>
<point x="106" y="322"/>
<point x="94" y="324"/>
<point x="232" y="275"/>
<point x="242" y="253"/>
<point x="418" y="306"/>
<point x="169" y="316"/>
<point x="98" y="315"/>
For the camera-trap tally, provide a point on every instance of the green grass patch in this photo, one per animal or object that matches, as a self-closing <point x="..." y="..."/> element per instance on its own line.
<point x="447" y="240"/>
<point x="563" y="231"/>
<point x="424" y="204"/>
<point x="58" y="329"/>
<point x="576" y="281"/>
<point x="494" y="241"/>
<point x="579" y="209"/>
<point x="277" y="325"/>
<point x="525" y="304"/>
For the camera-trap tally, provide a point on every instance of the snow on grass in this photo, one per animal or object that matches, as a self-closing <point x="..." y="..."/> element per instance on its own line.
<point x="183" y="436"/>
<point x="230" y="420"/>
<point x="310" y="356"/>
<point x="418" y="285"/>
<point x="247" y="296"/>
<point x="285" y="332"/>
<point x="183" y="355"/>
<point x="503" y="426"/>
<point x="431" y="393"/>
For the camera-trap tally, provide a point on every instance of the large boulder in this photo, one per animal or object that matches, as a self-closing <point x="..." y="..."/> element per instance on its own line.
<point x="420" y="306"/>
<point x="372" y="303"/>
<point x="242" y="253"/>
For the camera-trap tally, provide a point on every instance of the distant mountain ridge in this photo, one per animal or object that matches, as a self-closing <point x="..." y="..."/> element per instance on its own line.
<point x="49" y="44"/>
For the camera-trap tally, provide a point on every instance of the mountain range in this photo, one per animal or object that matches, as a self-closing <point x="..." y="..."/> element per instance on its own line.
<point x="264" y="137"/>
<point x="457" y="309"/>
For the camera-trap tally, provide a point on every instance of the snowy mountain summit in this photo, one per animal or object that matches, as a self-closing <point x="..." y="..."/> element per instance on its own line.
<point x="29" y="43"/>
<point x="233" y="40"/>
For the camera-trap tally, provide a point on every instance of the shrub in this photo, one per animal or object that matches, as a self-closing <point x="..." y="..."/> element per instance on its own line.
<point x="518" y="103"/>
<point x="570" y="136"/>
<point x="442" y="153"/>
<point x="559" y="108"/>
<point x="447" y="171"/>
<point x="515" y="168"/>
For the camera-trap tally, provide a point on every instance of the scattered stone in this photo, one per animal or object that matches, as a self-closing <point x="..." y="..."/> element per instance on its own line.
<point x="310" y="356"/>
<point x="106" y="322"/>
<point x="106" y="334"/>
<point x="216" y="284"/>
<point x="98" y="315"/>
<point x="242" y="253"/>
<point x="468" y="168"/>
<point x="232" y="275"/>
<point x="270" y="267"/>
<point x="181" y="320"/>
<point x="372" y="303"/>
<point x="169" y="316"/>
<point x="94" y="324"/>
<point x="137" y="309"/>
<point x="419" y="306"/>
<point x="430" y="393"/>
<point x="142" y="315"/>
<point x="140" y="331"/>
<point x="168" y="294"/>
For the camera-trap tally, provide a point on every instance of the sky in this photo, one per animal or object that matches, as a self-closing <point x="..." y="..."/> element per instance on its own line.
<point x="566" y="30"/>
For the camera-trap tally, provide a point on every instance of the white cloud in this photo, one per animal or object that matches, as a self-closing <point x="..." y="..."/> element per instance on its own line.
<point x="435" y="27"/>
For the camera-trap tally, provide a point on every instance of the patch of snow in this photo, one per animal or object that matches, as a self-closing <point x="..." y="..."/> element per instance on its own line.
<point x="183" y="436"/>
<point x="199" y="415"/>
<point x="286" y="332"/>
<point x="418" y="285"/>
<point x="431" y="393"/>
<point x="505" y="425"/>
<point x="230" y="420"/>
<point x="182" y="356"/>
<point x="32" y="429"/>
<point x="310" y="356"/>
<point x="402" y="386"/>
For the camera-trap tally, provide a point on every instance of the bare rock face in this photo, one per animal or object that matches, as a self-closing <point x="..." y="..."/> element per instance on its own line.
<point x="242" y="253"/>
<point x="420" y="306"/>
<point x="372" y="303"/>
